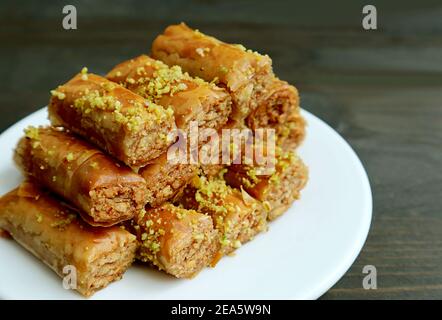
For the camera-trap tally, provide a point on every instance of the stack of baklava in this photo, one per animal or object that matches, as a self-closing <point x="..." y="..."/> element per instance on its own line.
<point x="101" y="189"/>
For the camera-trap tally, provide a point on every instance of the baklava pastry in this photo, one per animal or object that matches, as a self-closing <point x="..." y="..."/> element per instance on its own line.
<point x="278" y="108"/>
<point x="55" y="234"/>
<point x="181" y="242"/>
<point x="236" y="215"/>
<point x="275" y="187"/>
<point x="191" y="99"/>
<point x="105" y="191"/>
<point x="127" y="126"/>
<point x="165" y="179"/>
<point x="241" y="72"/>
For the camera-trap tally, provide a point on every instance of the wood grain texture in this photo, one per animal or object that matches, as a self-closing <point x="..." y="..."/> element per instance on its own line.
<point x="380" y="89"/>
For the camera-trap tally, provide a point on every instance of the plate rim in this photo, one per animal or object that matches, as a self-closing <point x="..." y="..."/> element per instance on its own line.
<point x="368" y="213"/>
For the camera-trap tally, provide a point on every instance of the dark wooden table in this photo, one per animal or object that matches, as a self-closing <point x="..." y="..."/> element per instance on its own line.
<point x="380" y="89"/>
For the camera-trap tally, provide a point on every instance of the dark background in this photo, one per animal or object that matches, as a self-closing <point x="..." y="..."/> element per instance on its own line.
<point x="381" y="90"/>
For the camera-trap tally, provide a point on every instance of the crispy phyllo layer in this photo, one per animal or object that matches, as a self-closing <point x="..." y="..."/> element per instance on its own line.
<point x="55" y="234"/>
<point x="119" y="121"/>
<point x="276" y="188"/>
<point x="181" y="242"/>
<point x="278" y="108"/>
<point x="192" y="99"/>
<point x="165" y="179"/>
<point x="236" y="215"/>
<point x="105" y="191"/>
<point x="242" y="72"/>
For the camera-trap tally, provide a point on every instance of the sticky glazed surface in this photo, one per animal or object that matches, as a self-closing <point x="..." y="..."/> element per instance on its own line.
<point x="106" y="191"/>
<point x="56" y="235"/>
<point x="192" y="99"/>
<point x="181" y="242"/>
<point x="242" y="72"/>
<point x="119" y="121"/>
<point x="236" y="215"/>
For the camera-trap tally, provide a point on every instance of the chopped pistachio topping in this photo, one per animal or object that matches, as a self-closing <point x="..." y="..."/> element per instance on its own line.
<point x="148" y="223"/>
<point x="179" y="215"/>
<point x="202" y="51"/>
<point x="165" y="80"/>
<point x="246" y="182"/>
<point x="237" y="244"/>
<point x="141" y="214"/>
<point x="141" y="71"/>
<point x="150" y="240"/>
<point x="252" y="174"/>
<point x="224" y="241"/>
<point x="211" y="195"/>
<point x="198" y="236"/>
<point x="155" y="246"/>
<point x="108" y="86"/>
<point x="223" y="69"/>
<point x="83" y="72"/>
<point x="70" y="156"/>
<point x="221" y="173"/>
<point x="267" y="206"/>
<point x="58" y="94"/>
<point x="32" y="132"/>
<point x="132" y="118"/>
<point x="275" y="178"/>
<point x="181" y="87"/>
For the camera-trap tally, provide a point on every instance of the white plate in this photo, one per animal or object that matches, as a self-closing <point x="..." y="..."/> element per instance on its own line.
<point x="302" y="255"/>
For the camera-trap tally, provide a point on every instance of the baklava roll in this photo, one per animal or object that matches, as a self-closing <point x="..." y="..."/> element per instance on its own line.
<point x="181" y="242"/>
<point x="191" y="99"/>
<point x="242" y="72"/>
<point x="127" y="126"/>
<point x="275" y="187"/>
<point x="165" y="179"/>
<point x="278" y="108"/>
<point x="57" y="236"/>
<point x="236" y="215"/>
<point x="105" y="191"/>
